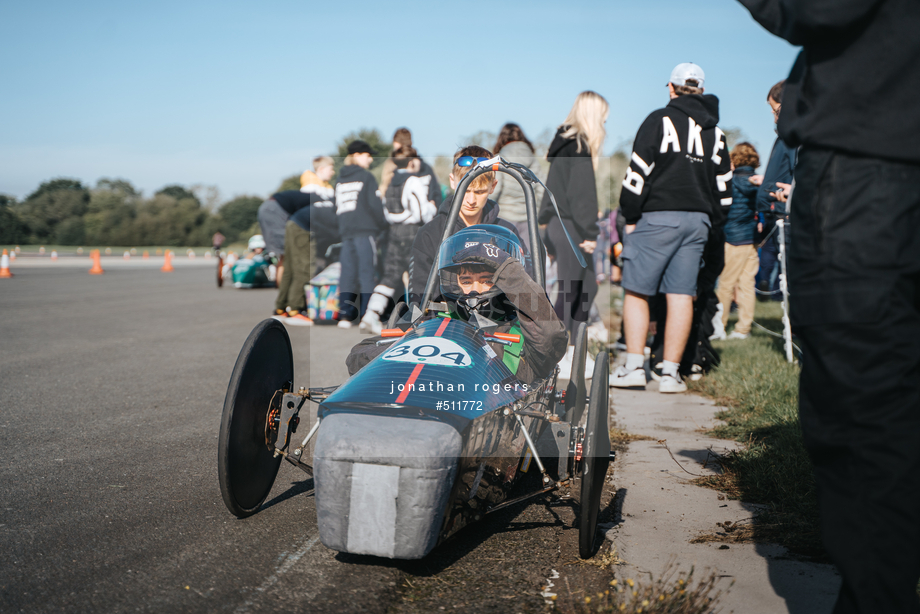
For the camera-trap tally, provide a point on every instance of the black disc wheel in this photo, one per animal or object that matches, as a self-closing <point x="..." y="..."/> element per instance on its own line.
<point x="576" y="393"/>
<point x="246" y="467"/>
<point x="220" y="271"/>
<point x="595" y="456"/>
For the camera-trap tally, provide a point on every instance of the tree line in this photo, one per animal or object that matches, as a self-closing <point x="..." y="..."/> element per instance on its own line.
<point x="67" y="212"/>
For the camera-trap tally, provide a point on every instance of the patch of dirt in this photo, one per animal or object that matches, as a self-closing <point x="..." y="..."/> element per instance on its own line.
<point x="512" y="561"/>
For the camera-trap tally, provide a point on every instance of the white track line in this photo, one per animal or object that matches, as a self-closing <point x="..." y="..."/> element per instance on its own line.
<point x="286" y="563"/>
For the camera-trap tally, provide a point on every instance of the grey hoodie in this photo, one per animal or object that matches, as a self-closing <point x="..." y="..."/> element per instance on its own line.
<point x="508" y="193"/>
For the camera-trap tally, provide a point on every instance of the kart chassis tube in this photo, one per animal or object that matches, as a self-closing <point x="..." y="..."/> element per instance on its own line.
<point x="536" y="250"/>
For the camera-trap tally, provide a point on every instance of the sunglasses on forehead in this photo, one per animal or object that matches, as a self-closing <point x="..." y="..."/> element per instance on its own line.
<point x="470" y="160"/>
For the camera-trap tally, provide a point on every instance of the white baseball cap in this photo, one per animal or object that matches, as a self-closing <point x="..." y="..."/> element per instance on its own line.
<point x="687" y="70"/>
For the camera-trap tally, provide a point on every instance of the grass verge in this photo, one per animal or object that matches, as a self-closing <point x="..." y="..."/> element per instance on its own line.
<point x="760" y="390"/>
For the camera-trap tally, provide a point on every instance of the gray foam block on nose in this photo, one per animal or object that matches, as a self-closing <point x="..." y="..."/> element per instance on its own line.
<point x="382" y="483"/>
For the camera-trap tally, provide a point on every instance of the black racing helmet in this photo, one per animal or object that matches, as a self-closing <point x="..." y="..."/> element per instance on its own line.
<point x="491" y="303"/>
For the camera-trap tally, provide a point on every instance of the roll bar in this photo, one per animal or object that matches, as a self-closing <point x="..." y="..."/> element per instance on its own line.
<point x="526" y="178"/>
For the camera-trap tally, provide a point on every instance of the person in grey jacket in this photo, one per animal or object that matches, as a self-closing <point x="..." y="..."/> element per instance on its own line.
<point x="513" y="146"/>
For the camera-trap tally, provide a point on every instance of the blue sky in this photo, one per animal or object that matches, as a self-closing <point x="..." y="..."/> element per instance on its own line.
<point x="240" y="95"/>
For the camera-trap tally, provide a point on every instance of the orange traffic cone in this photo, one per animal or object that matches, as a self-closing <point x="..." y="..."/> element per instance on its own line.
<point x="146" y="255"/>
<point x="5" y="265"/>
<point x="97" y="263"/>
<point x="167" y="263"/>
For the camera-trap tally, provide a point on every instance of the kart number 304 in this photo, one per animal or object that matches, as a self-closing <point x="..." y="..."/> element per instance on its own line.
<point x="430" y="351"/>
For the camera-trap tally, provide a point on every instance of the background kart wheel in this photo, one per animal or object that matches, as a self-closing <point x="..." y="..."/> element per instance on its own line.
<point x="220" y="271"/>
<point x="595" y="457"/>
<point x="576" y="393"/>
<point x="246" y="468"/>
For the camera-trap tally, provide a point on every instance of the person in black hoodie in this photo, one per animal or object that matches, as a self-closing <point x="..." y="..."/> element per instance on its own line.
<point x="573" y="156"/>
<point x="477" y="208"/>
<point x="406" y="208"/>
<point x="360" y="213"/>
<point x="850" y="104"/>
<point x="403" y="138"/>
<point x="677" y="183"/>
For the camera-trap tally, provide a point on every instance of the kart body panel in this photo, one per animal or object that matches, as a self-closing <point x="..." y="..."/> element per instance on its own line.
<point x="252" y="272"/>
<point x="396" y="478"/>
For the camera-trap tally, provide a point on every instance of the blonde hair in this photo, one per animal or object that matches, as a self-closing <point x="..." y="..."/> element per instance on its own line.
<point x="321" y="161"/>
<point x="483" y="181"/>
<point x="349" y="159"/>
<point x="585" y="122"/>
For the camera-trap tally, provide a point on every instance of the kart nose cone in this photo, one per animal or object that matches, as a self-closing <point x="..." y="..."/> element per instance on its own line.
<point x="383" y="482"/>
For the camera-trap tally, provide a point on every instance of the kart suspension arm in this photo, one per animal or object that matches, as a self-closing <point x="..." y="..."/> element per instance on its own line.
<point x="511" y="502"/>
<point x="533" y="450"/>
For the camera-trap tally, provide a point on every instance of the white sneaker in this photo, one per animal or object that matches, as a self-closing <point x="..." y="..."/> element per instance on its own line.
<point x="736" y="335"/>
<point x="670" y="384"/>
<point x="344" y="324"/>
<point x="696" y="373"/>
<point x="718" y="336"/>
<point x="565" y="365"/>
<point x="621" y="378"/>
<point x="370" y="323"/>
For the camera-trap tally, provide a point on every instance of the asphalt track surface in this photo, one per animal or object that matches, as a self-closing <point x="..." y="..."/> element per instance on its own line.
<point x="111" y="390"/>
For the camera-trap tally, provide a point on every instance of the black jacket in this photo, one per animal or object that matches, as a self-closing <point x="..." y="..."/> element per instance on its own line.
<point x="854" y="86"/>
<point x="357" y="203"/>
<point x="679" y="162"/>
<point x="571" y="180"/>
<point x="741" y="222"/>
<point x="292" y="201"/>
<point x="545" y="337"/>
<point x="310" y="217"/>
<point x="426" y="174"/>
<point x="428" y="242"/>
<point x="407" y="201"/>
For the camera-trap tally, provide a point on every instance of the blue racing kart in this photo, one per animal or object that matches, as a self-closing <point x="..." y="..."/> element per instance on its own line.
<point x="432" y="434"/>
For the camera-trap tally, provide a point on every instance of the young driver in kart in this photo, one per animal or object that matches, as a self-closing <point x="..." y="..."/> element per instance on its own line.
<point x="481" y="271"/>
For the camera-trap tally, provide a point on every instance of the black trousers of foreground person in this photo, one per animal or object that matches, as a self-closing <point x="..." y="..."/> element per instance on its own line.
<point x="854" y="268"/>
<point x="577" y="286"/>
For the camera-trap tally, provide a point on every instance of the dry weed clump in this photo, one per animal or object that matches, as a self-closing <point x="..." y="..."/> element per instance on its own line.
<point x="672" y="593"/>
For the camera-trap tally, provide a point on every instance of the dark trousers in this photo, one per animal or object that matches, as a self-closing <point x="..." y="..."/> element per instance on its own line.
<point x="854" y="266"/>
<point x="297" y="268"/>
<point x="577" y="286"/>
<point x="769" y="259"/>
<point x="356" y="284"/>
<point x="398" y="252"/>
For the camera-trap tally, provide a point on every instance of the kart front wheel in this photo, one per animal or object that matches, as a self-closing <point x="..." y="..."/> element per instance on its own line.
<point x="576" y="393"/>
<point x="595" y="456"/>
<point x="246" y="466"/>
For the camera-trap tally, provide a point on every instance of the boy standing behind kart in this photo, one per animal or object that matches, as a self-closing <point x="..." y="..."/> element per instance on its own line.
<point x="360" y="214"/>
<point x="407" y="208"/>
<point x="291" y="304"/>
<point x="477" y="208"/>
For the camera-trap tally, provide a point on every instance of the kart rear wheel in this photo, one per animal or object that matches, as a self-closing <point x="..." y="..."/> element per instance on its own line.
<point x="246" y="467"/>
<point x="595" y="456"/>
